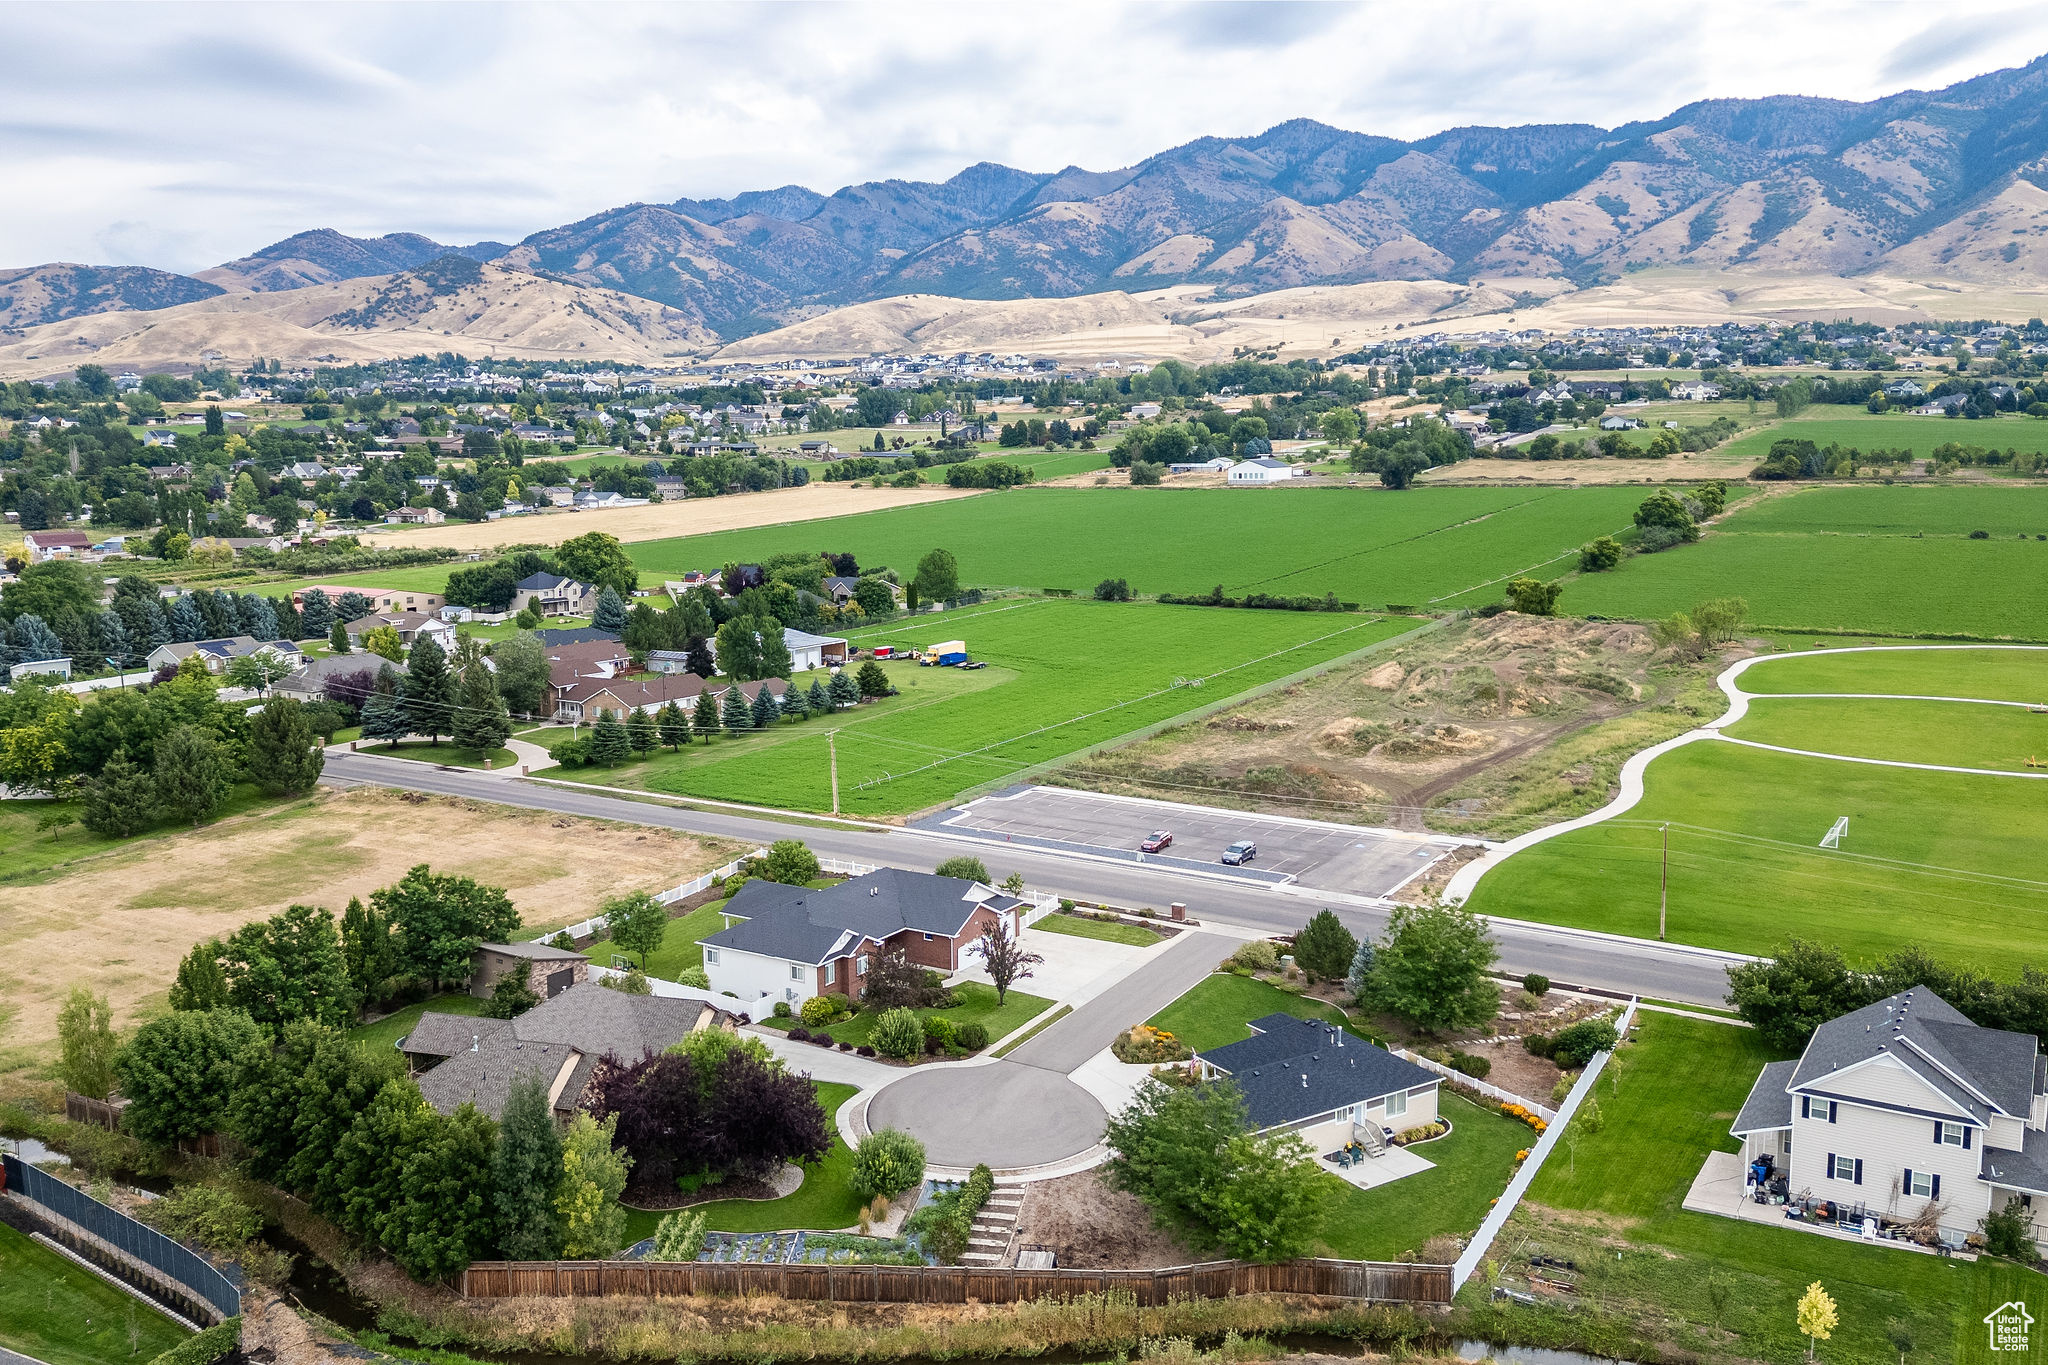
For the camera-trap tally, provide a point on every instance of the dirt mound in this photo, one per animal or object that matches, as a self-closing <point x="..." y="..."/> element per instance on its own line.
<point x="1250" y="725"/>
<point x="1439" y="741"/>
<point x="1386" y="677"/>
<point x="1352" y="735"/>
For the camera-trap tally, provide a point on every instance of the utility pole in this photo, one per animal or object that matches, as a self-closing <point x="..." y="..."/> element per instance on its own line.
<point x="832" y="747"/>
<point x="1664" y="890"/>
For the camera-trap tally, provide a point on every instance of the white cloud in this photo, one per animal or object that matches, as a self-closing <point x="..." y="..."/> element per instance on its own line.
<point x="180" y="135"/>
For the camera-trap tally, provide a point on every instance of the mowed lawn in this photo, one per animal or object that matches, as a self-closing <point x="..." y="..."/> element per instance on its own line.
<point x="1220" y="1008"/>
<point x="1080" y="926"/>
<point x="1951" y="733"/>
<point x="1366" y="545"/>
<point x="681" y="946"/>
<point x="1064" y="675"/>
<point x="1945" y="861"/>
<point x="385" y="1032"/>
<point x="62" y="1314"/>
<point x="1473" y="1164"/>
<point x="1994" y="673"/>
<point x="1666" y="1101"/>
<point x="975" y="1004"/>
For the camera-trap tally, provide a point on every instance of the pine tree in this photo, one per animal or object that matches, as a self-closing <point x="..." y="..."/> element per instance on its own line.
<point x="337" y="639"/>
<point x="844" y="691"/>
<point x="34" y="641"/>
<point x="351" y="606"/>
<point x="736" y="715"/>
<point x="281" y="756"/>
<point x="429" y="691"/>
<point x="765" y="711"/>
<point x="610" y="614"/>
<point x="699" y="659"/>
<point x="704" y="716"/>
<point x="384" y="711"/>
<point x="673" y="726"/>
<point x="641" y="733"/>
<point x="872" y="680"/>
<point x="192" y="774"/>
<point x="818" y="699"/>
<point x="258" y="618"/>
<point x="113" y="638"/>
<point x="795" y="704"/>
<point x="525" y="1171"/>
<point x="121" y="801"/>
<point x="608" y="742"/>
<point x="157" y="628"/>
<point x="481" y="721"/>
<point x="316" y="614"/>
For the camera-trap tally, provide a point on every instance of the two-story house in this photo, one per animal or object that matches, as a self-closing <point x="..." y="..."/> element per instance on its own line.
<point x="1906" y="1103"/>
<point x="550" y="594"/>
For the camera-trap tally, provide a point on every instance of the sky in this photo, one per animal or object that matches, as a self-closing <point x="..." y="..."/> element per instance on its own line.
<point x="182" y="135"/>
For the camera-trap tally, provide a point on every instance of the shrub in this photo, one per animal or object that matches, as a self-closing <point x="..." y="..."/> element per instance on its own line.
<point x="699" y="978"/>
<point x="887" y="1162"/>
<point x="799" y="1034"/>
<point x="819" y="1009"/>
<point x="2008" y="1233"/>
<point x="938" y="1029"/>
<point x="1526" y="1002"/>
<point x="782" y="1009"/>
<point x="966" y="867"/>
<point x="1143" y="1044"/>
<point x="864" y="1050"/>
<point x="898" y="1033"/>
<point x="206" y="1214"/>
<point x="1563" y="1087"/>
<point x="1471" y="1064"/>
<point x="1537" y="1044"/>
<point x="678" y="1237"/>
<point x="210" y="1345"/>
<point x="1574" y="1047"/>
<point x="821" y="1039"/>
<point x="1536" y="983"/>
<point x="973" y="1037"/>
<point x="1257" y="955"/>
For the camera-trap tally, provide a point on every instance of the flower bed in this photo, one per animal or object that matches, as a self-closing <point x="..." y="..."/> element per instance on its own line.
<point x="1145" y="1045"/>
<point x="809" y="1248"/>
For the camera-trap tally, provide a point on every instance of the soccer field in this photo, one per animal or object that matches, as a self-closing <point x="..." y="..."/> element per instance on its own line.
<point x="1062" y="675"/>
<point x="1948" y="861"/>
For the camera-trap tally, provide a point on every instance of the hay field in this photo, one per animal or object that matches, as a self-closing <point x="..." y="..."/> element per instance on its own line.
<point x="120" y="921"/>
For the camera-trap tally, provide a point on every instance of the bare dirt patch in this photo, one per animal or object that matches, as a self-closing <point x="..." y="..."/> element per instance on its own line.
<point x="1459" y="730"/>
<point x="1090" y="1225"/>
<point x="121" y="923"/>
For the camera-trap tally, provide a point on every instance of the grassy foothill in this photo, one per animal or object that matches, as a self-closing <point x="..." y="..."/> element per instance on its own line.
<point x="1062" y="676"/>
<point x="1080" y="926"/>
<point x="1610" y="1200"/>
<point x="1473" y="1164"/>
<point x="57" y="1312"/>
<point x="1220" y="1008"/>
<point x="825" y="1202"/>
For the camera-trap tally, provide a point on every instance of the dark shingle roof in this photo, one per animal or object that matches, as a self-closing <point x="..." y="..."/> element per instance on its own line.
<point x="542" y="580"/>
<point x="1293" y="1069"/>
<point x="575" y="635"/>
<point x="1769" y="1105"/>
<point x="806" y="924"/>
<point x="1963" y="1062"/>
<point x="2026" y="1169"/>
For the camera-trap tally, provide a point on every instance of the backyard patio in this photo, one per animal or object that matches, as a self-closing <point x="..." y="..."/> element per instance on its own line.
<point x="1722" y="1188"/>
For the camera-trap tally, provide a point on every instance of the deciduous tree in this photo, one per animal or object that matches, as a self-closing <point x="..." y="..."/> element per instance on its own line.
<point x="593" y="1224"/>
<point x="440" y="920"/>
<point x="637" y="923"/>
<point x="1003" y="955"/>
<point x="179" y="1072"/>
<point x="85" y="1032"/>
<point x="526" y="1169"/>
<point x="1431" y="969"/>
<point x="789" y="861"/>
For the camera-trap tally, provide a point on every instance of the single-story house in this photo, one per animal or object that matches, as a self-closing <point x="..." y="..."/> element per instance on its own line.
<point x="380" y="599"/>
<point x="1323" y="1082"/>
<point x="587" y="698"/>
<point x="310" y="682"/>
<point x="1904" y="1104"/>
<point x="410" y="625"/>
<point x="475" y="1061"/>
<point x="1614" y="423"/>
<point x="1221" y="464"/>
<point x="807" y="652"/>
<point x="550" y="594"/>
<point x="549" y="970"/>
<point x="44" y="668"/>
<point x="416" y="516"/>
<point x="43" y="546"/>
<point x="1262" y="469"/>
<point x="217" y="654"/>
<point x="794" y="942"/>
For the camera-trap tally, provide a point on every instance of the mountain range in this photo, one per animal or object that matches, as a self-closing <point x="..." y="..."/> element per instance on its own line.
<point x="1952" y="182"/>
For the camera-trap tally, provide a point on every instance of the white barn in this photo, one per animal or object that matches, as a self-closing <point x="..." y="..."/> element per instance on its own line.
<point x="1264" y="469"/>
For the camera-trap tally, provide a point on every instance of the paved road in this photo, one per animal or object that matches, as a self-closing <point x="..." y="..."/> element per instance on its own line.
<point x="1564" y="955"/>
<point x="1139" y="996"/>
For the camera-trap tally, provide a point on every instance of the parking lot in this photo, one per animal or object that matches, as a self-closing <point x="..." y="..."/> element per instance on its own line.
<point x="1366" y="862"/>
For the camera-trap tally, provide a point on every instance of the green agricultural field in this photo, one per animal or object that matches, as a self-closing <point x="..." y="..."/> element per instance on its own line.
<point x="1366" y="545"/>
<point x="1954" y="734"/>
<point x="1898" y="509"/>
<point x="1064" y="675"/>
<point x="1992" y="673"/>
<point x="424" y="578"/>
<point x="1870" y="431"/>
<point x="1946" y="861"/>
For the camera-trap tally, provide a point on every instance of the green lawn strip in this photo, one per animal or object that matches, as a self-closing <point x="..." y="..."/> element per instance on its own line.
<point x="823" y="1203"/>
<point x="681" y="947"/>
<point x="1959" y="847"/>
<point x="423" y="579"/>
<point x="1992" y="674"/>
<point x="1472" y="1166"/>
<point x="1952" y="733"/>
<point x="1666" y="1101"/>
<point x="29" y="854"/>
<point x="386" y="1032"/>
<point x="422" y="751"/>
<point x="1028" y="1034"/>
<point x="1220" y="1008"/>
<point x="60" y="1313"/>
<point x="977" y="1006"/>
<point x="1135" y="935"/>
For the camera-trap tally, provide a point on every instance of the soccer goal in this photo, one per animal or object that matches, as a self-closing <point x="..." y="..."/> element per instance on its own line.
<point x="1833" y="838"/>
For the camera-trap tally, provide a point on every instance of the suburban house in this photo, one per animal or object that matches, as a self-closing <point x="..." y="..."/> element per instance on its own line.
<point x="310" y="682"/>
<point x="158" y="437"/>
<point x="807" y="652"/>
<point x="40" y="668"/>
<point x="1262" y="469"/>
<point x="549" y="970"/>
<point x="416" y="516"/>
<point x="587" y="698"/>
<point x="1323" y="1082"/>
<point x="574" y="635"/>
<point x="794" y="942"/>
<point x="380" y="599"/>
<point x="1902" y="1105"/>
<point x="218" y="654"/>
<point x="410" y="625"/>
<point x="43" y="546"/>
<point x="475" y="1061"/>
<point x="550" y="594"/>
<point x="590" y="659"/>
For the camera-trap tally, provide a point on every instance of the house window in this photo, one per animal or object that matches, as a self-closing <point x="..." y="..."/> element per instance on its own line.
<point x="796" y="973"/>
<point x="1845" y="1168"/>
<point x="860" y="965"/>
<point x="1920" y="1184"/>
<point x="831" y="972"/>
<point x="1397" y="1104"/>
<point x="1951" y="1135"/>
<point x="927" y="938"/>
<point x="711" y="957"/>
<point x="1811" y="1108"/>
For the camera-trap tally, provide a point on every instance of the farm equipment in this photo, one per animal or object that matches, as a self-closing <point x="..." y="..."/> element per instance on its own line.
<point x="944" y="655"/>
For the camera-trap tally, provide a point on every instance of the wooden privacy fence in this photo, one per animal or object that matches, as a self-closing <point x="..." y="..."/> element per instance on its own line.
<point x="1377" y="1281"/>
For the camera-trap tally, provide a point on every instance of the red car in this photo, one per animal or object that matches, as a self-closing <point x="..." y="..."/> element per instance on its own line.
<point x="1158" y="840"/>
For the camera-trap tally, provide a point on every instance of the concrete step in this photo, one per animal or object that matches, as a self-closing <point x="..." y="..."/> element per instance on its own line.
<point x="996" y="1216"/>
<point x="997" y="1242"/>
<point x="981" y="1258"/>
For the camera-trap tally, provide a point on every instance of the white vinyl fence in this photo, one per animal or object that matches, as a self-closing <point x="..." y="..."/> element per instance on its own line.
<point x="595" y="927"/>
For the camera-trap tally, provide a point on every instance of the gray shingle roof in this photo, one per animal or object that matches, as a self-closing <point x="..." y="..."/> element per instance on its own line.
<point x="806" y="924"/>
<point x="539" y="952"/>
<point x="574" y="635"/>
<point x="1294" y="1069"/>
<point x="2026" y="1169"/>
<point x="1769" y="1105"/>
<point x="1965" y="1063"/>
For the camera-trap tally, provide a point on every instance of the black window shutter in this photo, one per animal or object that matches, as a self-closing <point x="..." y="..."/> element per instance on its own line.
<point x="1806" y="1106"/>
<point x="1859" y="1170"/>
<point x="1937" y="1132"/>
<point x="1906" y="1183"/>
<point x="1966" y="1139"/>
<point x="1831" y="1165"/>
<point x="1935" y="1193"/>
<point x="1832" y="1106"/>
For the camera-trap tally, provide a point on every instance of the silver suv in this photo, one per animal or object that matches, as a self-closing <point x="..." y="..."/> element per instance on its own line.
<point x="1240" y="853"/>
